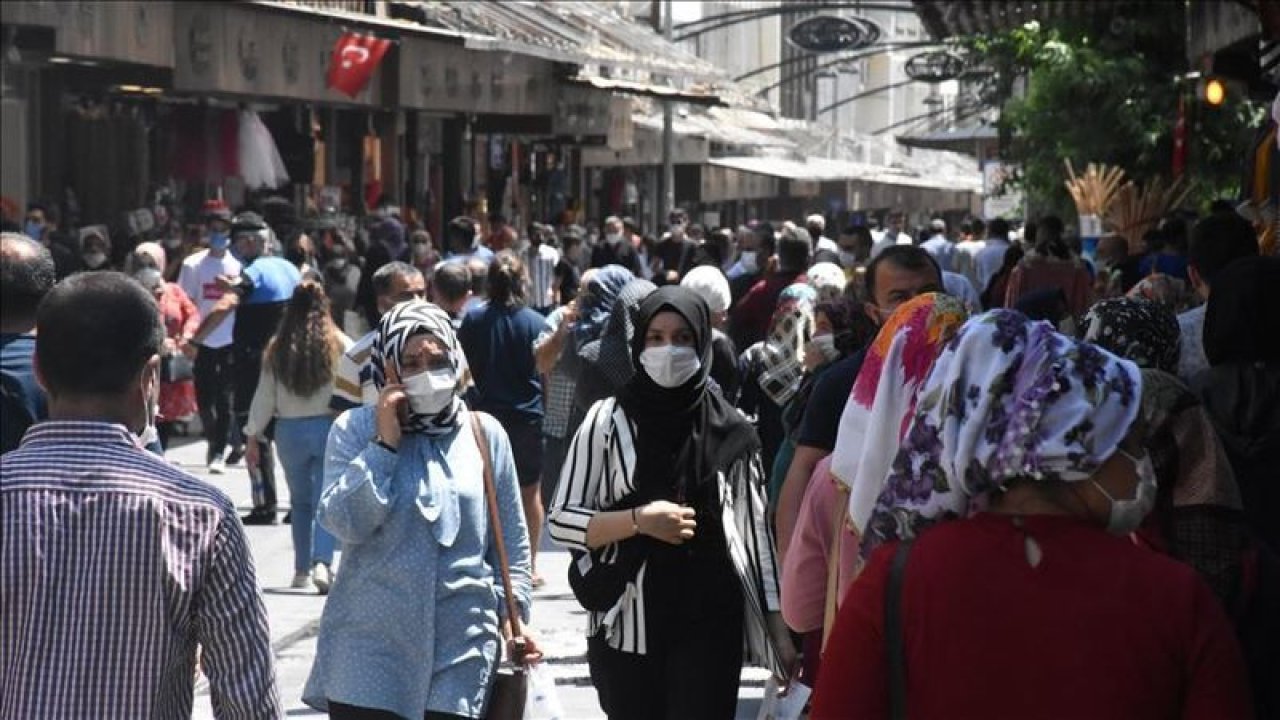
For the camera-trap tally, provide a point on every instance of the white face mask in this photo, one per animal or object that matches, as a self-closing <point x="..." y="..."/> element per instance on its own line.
<point x="94" y="260"/>
<point x="613" y="238"/>
<point x="670" y="366"/>
<point x="1127" y="515"/>
<point x="748" y="260"/>
<point x="825" y="345"/>
<point x="431" y="391"/>
<point x="848" y="259"/>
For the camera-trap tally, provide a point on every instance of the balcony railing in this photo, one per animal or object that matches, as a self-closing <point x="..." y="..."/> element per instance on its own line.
<point x="376" y="8"/>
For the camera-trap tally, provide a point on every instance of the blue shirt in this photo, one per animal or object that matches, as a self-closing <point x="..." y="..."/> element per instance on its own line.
<point x="267" y="284"/>
<point x="498" y="342"/>
<point x="24" y="400"/>
<point x="411" y="623"/>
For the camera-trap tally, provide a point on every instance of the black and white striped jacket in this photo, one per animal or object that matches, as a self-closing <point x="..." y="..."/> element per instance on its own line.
<point x="598" y="472"/>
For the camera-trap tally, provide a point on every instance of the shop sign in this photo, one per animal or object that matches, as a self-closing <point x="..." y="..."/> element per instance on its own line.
<point x="828" y="33"/>
<point x="622" y="127"/>
<point x="134" y="31"/>
<point x="445" y="77"/>
<point x="243" y="50"/>
<point x="581" y="112"/>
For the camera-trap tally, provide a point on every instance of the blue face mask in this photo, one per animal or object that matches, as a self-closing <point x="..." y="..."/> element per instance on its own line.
<point x="33" y="229"/>
<point x="219" y="240"/>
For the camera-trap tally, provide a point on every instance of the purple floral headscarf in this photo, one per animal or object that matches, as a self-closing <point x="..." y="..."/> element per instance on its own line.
<point x="1009" y="398"/>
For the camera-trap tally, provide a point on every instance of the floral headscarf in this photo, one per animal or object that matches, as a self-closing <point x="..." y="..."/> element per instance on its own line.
<point x="396" y="327"/>
<point x="884" y="394"/>
<point x="1010" y="398"/>
<point x="782" y="354"/>
<point x="1140" y="330"/>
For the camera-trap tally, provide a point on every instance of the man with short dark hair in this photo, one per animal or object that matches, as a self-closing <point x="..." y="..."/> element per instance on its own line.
<point x="27" y="273"/>
<point x="460" y="242"/>
<point x="897" y="274"/>
<point x="393" y="284"/>
<point x="749" y="320"/>
<point x="991" y="257"/>
<point x="117" y="565"/>
<point x="451" y="289"/>
<point x="1216" y="242"/>
<point x="616" y="248"/>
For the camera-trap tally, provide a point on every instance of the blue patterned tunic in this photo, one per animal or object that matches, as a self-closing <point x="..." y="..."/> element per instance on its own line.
<point x="411" y="624"/>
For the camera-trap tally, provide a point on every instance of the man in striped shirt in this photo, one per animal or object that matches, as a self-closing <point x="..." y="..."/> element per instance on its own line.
<point x="115" y="565"/>
<point x="541" y="260"/>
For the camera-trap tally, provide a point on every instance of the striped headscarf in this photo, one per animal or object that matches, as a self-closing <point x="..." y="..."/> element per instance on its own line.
<point x="396" y="327"/>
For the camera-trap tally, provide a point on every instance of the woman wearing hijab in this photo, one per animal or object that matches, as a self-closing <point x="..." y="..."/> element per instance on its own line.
<point x="821" y="558"/>
<point x="1197" y="517"/>
<point x="181" y="319"/>
<point x="1038" y="605"/>
<point x="566" y="330"/>
<point x="412" y="624"/>
<point x="772" y="371"/>
<point x="606" y="361"/>
<point x="662" y="483"/>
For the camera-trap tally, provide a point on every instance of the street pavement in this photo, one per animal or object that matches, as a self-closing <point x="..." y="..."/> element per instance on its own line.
<point x="559" y="623"/>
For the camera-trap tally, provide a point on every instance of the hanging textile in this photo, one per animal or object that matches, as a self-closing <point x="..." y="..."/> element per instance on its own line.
<point x="260" y="163"/>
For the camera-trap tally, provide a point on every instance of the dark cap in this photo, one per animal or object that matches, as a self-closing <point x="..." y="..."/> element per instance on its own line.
<point x="250" y="221"/>
<point x="215" y="210"/>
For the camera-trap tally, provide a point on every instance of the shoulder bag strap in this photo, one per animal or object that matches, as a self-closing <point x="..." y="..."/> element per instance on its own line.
<point x="893" y="634"/>
<point x="495" y="522"/>
<point x="833" y="569"/>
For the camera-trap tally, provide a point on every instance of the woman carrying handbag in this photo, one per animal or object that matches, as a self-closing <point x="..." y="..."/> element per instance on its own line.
<point x="414" y="623"/>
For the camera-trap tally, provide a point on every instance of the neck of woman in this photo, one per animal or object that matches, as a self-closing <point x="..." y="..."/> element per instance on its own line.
<point x="1033" y="497"/>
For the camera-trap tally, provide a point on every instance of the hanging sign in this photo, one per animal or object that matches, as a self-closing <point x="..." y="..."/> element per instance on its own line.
<point x="934" y="67"/>
<point x="827" y="33"/>
<point x="355" y="57"/>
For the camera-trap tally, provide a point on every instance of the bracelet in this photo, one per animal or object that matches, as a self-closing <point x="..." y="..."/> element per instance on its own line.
<point x="635" y="526"/>
<point x="383" y="444"/>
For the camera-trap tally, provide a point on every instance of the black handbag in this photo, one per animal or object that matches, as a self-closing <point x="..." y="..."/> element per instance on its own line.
<point x="597" y="584"/>
<point x="176" y="368"/>
<point x="510" y="687"/>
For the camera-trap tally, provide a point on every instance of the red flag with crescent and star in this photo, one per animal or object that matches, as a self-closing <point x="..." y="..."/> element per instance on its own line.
<point x="355" y="57"/>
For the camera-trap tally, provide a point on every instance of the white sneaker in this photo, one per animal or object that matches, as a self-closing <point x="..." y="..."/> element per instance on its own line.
<point x="217" y="467"/>
<point x="322" y="576"/>
<point x="301" y="581"/>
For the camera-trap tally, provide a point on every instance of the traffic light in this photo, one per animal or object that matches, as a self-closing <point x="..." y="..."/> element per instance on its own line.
<point x="1212" y="91"/>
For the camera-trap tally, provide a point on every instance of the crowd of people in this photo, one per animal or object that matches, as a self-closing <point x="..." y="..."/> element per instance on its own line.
<point x="979" y="472"/>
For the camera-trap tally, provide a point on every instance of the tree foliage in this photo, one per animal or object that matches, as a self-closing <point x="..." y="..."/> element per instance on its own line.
<point x="1106" y="90"/>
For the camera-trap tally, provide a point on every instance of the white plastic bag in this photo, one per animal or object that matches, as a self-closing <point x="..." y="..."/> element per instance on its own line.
<point x="542" y="702"/>
<point x="787" y="707"/>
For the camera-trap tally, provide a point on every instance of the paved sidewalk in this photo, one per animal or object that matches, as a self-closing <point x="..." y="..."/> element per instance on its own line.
<point x="559" y="622"/>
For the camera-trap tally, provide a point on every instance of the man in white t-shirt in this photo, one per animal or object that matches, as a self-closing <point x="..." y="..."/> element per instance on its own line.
<point x="973" y="240"/>
<point x="213" y="372"/>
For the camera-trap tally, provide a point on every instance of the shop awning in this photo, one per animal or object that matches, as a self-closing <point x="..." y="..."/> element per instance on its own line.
<point x="693" y="96"/>
<point x="828" y="170"/>
<point x="962" y="139"/>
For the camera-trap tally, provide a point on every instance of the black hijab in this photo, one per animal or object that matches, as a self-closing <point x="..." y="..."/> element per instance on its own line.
<point x="1240" y="323"/>
<point x="683" y="434"/>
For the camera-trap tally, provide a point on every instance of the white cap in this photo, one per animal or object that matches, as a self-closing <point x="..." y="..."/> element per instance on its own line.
<point x="827" y="276"/>
<point x="710" y="284"/>
<point x="816" y="219"/>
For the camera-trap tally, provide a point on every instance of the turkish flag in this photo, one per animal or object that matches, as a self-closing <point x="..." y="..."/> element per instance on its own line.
<point x="355" y="57"/>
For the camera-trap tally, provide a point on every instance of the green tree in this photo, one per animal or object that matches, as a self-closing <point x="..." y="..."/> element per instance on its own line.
<point x="1106" y="90"/>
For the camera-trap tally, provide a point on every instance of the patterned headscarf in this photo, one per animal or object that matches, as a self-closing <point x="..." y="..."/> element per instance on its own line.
<point x="1143" y="331"/>
<point x="1009" y="398"/>
<point x="610" y="355"/>
<point x="397" y="326"/>
<point x="782" y="354"/>
<point x="884" y="395"/>
<point x="595" y="302"/>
